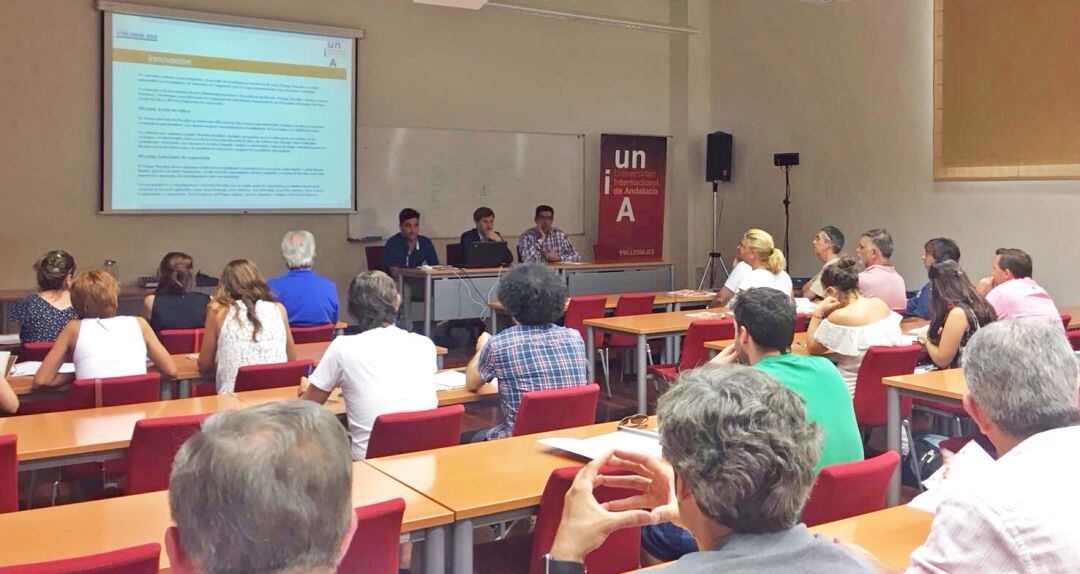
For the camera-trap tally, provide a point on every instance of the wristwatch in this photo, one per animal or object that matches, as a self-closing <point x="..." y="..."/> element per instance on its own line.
<point x="549" y="565"/>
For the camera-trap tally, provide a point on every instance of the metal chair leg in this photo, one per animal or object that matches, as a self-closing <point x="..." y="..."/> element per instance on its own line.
<point x="604" y="365"/>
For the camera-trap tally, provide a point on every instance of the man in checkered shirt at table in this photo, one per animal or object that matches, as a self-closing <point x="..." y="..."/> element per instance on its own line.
<point x="533" y="355"/>
<point x="545" y="242"/>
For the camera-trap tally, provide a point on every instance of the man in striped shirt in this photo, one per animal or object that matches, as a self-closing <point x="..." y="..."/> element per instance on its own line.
<point x="533" y="355"/>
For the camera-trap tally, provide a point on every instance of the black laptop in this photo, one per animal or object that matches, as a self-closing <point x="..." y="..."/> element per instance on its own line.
<point x="488" y="254"/>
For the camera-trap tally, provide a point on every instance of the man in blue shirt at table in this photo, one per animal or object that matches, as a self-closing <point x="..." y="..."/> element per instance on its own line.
<point x="408" y="248"/>
<point x="936" y="250"/>
<point x="309" y="298"/>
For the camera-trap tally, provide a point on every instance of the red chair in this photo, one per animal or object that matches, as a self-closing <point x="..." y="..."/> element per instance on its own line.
<point x="399" y="433"/>
<point x="35" y="351"/>
<point x="90" y="393"/>
<point x="628" y="304"/>
<point x="871" y="408"/>
<point x="180" y="341"/>
<point x="454" y="256"/>
<point x="850" y="489"/>
<point x="374" y="546"/>
<point x="314" y="334"/>
<point x="374" y="254"/>
<point x="542" y="411"/>
<point x="584" y="307"/>
<point x="153" y="446"/>
<point x="694" y="354"/>
<point x="619" y="553"/>
<point x="274" y="375"/>
<point x="9" y="474"/>
<point x="1065" y="320"/>
<point x="142" y="559"/>
<point x="1074" y="338"/>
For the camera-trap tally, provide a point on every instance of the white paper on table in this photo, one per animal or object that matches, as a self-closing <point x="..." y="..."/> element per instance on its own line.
<point x="450" y="379"/>
<point x="641" y="441"/>
<point x="29" y="368"/>
<point x="12" y="339"/>
<point x="965" y="467"/>
<point x="919" y="330"/>
<point x="690" y="293"/>
<point x="804" y="305"/>
<point x="909" y="339"/>
<point x="4" y="357"/>
<point x="706" y="315"/>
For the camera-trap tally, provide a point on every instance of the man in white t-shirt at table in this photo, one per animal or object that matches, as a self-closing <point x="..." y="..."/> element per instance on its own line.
<point x="382" y="369"/>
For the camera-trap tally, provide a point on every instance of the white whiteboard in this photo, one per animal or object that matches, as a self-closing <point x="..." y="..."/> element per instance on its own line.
<point x="446" y="174"/>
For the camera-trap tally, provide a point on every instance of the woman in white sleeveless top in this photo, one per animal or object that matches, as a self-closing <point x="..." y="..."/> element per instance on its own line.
<point x="102" y="344"/>
<point x="244" y="326"/>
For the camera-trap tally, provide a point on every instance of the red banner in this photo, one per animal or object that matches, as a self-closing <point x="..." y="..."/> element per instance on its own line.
<point x="633" y="172"/>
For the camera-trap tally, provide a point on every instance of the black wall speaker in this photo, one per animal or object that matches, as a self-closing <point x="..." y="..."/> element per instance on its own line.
<point x="718" y="157"/>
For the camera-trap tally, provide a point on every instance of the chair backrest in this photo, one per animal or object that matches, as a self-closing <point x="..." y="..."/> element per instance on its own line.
<point x="143" y="559"/>
<point x="374" y="255"/>
<point x="701" y="331"/>
<point x="870" y="396"/>
<point x="631" y="304"/>
<point x="313" y="334"/>
<point x="273" y="375"/>
<point x="1074" y="338"/>
<point x="116" y="391"/>
<point x="374" y="547"/>
<point x="9" y="474"/>
<point x="850" y="489"/>
<point x="1065" y="320"/>
<point x="34" y="351"/>
<point x="619" y="553"/>
<point x="179" y="341"/>
<point x="454" y="256"/>
<point x="542" y="411"/>
<point x="584" y="307"/>
<point x="154" y="443"/>
<point x="399" y="433"/>
<point x="90" y="393"/>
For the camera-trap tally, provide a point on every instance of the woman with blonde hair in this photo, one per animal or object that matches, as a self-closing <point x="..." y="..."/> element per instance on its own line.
<point x="101" y="343"/>
<point x="244" y="326"/>
<point x="758" y="263"/>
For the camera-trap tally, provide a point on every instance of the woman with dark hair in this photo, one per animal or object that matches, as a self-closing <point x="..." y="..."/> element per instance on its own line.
<point x="956" y="312"/>
<point x="244" y="326"/>
<point x="174" y="305"/>
<point x="847" y="324"/>
<point x="43" y="315"/>
<point x="382" y="369"/>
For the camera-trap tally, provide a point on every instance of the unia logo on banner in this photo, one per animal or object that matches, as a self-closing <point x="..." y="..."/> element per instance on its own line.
<point x="624" y="159"/>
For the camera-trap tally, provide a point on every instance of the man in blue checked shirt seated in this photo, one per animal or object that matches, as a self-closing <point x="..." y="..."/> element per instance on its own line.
<point x="533" y="355"/>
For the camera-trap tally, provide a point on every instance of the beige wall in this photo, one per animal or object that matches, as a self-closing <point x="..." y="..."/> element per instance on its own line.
<point x="849" y="87"/>
<point x="418" y="66"/>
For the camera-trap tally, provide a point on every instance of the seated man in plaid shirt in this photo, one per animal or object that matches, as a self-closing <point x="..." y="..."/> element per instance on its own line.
<point x="533" y="355"/>
<point x="545" y="242"/>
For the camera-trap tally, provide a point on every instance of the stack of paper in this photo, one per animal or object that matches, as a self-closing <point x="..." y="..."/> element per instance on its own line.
<point x="804" y="305"/>
<point x="641" y="441"/>
<point x="451" y="379"/>
<point x="706" y="315"/>
<point x="9" y="339"/>
<point x="961" y="471"/>
<point x="30" y="368"/>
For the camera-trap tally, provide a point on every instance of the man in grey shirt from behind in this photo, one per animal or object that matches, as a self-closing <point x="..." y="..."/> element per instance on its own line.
<point x="737" y="467"/>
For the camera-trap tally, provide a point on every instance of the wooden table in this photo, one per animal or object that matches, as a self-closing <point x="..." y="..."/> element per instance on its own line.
<point x="486" y="482"/>
<point x="56" y="439"/>
<point x="946" y="386"/>
<point x="187" y="368"/>
<point x="630" y="276"/>
<point x="891" y="534"/>
<point x="643" y="328"/>
<point x="102" y="525"/>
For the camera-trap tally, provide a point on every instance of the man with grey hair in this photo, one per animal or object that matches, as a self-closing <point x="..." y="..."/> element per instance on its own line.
<point x="739" y="464"/>
<point x="310" y="299"/>
<point x="879" y="278"/>
<point x="262" y="489"/>
<point x="382" y="369"/>
<point x="1024" y="514"/>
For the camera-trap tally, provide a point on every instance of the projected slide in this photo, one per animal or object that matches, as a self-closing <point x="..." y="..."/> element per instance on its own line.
<point x="208" y="117"/>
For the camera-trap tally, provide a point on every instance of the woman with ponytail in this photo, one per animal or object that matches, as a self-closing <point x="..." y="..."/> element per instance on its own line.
<point x="244" y="326"/>
<point x="759" y="264"/>
<point x="847" y="324"/>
